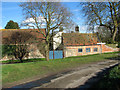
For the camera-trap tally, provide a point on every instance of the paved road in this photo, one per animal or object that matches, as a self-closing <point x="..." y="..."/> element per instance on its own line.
<point x="70" y="79"/>
<point x="79" y="76"/>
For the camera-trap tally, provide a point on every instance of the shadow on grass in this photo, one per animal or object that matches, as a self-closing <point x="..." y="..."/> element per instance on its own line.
<point x="24" y="61"/>
<point x="93" y="83"/>
<point x="39" y="82"/>
<point x="110" y="80"/>
<point x="114" y="58"/>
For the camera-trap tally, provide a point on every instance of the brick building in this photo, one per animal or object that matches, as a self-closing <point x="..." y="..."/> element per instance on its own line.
<point x="36" y="47"/>
<point x="76" y="44"/>
<point x="72" y="44"/>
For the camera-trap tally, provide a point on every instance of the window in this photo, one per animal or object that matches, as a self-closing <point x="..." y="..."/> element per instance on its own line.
<point x="87" y="49"/>
<point x="95" y="49"/>
<point x="80" y="50"/>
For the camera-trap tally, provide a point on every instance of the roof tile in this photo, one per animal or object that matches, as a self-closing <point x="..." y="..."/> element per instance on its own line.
<point x="79" y="39"/>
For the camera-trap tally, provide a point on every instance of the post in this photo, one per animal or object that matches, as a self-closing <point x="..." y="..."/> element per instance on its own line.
<point x="53" y="44"/>
<point x="101" y="45"/>
<point x="63" y="53"/>
<point x="101" y="48"/>
<point x="53" y="53"/>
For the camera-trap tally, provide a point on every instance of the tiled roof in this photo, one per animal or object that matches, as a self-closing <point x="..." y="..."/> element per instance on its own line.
<point x="8" y="32"/>
<point x="73" y="39"/>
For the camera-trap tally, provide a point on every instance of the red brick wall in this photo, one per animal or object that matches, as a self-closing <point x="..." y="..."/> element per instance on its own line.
<point x="106" y="48"/>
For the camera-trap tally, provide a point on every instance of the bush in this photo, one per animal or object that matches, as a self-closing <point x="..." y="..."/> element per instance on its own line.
<point x="16" y="51"/>
<point x="118" y="44"/>
<point x="115" y="73"/>
<point x="110" y="80"/>
<point x="7" y="50"/>
<point x="17" y="44"/>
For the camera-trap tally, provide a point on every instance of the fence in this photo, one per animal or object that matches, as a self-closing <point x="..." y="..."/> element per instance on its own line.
<point x="55" y="54"/>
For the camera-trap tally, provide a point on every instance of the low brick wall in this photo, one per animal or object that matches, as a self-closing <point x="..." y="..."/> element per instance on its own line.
<point x="106" y="49"/>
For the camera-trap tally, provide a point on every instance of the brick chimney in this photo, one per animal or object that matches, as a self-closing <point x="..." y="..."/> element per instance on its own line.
<point x="77" y="29"/>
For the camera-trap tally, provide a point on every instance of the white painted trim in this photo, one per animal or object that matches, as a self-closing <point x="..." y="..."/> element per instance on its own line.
<point x="101" y="43"/>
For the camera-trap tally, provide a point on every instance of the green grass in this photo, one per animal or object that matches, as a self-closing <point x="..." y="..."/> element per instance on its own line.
<point x="112" y="45"/>
<point x="110" y="81"/>
<point x="19" y="71"/>
<point x="24" y="60"/>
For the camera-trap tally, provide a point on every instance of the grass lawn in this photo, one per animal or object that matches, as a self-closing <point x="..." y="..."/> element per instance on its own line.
<point x="19" y="71"/>
<point x="110" y="81"/>
<point x="24" y="61"/>
<point x="112" y="45"/>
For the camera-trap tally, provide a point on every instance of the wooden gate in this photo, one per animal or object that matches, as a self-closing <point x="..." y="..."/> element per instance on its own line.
<point x="55" y="54"/>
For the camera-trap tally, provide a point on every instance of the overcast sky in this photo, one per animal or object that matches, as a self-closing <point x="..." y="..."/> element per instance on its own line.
<point x="12" y="11"/>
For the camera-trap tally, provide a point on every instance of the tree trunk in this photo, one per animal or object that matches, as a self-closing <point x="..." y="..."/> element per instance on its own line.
<point x="47" y="52"/>
<point x="115" y="21"/>
<point x="21" y="60"/>
<point x="114" y="35"/>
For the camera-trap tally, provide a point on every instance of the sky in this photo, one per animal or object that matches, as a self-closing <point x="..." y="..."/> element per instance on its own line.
<point x="12" y="11"/>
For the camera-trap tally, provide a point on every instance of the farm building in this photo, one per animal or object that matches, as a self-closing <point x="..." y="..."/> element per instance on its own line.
<point x="71" y="44"/>
<point x="76" y="44"/>
<point x="36" y="49"/>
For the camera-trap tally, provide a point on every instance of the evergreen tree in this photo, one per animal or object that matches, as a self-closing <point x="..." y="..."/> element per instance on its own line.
<point x="12" y="25"/>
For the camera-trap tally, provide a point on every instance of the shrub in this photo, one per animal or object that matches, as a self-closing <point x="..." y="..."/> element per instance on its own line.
<point x="110" y="80"/>
<point x="118" y="44"/>
<point x="7" y="50"/>
<point x="115" y="73"/>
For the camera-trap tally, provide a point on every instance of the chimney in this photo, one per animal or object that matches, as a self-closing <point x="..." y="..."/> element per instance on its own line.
<point x="77" y="29"/>
<point x="72" y="31"/>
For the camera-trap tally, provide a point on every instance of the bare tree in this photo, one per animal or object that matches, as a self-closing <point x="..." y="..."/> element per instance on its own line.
<point x="102" y="14"/>
<point x="18" y="43"/>
<point x="50" y="15"/>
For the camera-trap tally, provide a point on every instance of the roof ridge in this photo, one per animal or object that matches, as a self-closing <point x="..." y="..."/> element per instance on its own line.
<point x="79" y="33"/>
<point x="18" y="29"/>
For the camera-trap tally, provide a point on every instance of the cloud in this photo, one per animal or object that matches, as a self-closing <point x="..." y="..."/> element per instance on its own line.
<point x="41" y="21"/>
<point x="83" y="28"/>
<point x="0" y="27"/>
<point x="31" y="20"/>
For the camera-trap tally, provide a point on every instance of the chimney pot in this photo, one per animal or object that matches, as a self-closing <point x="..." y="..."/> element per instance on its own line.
<point x="77" y="29"/>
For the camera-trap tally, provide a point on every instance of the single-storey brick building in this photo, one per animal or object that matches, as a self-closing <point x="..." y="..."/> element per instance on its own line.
<point x="76" y="44"/>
